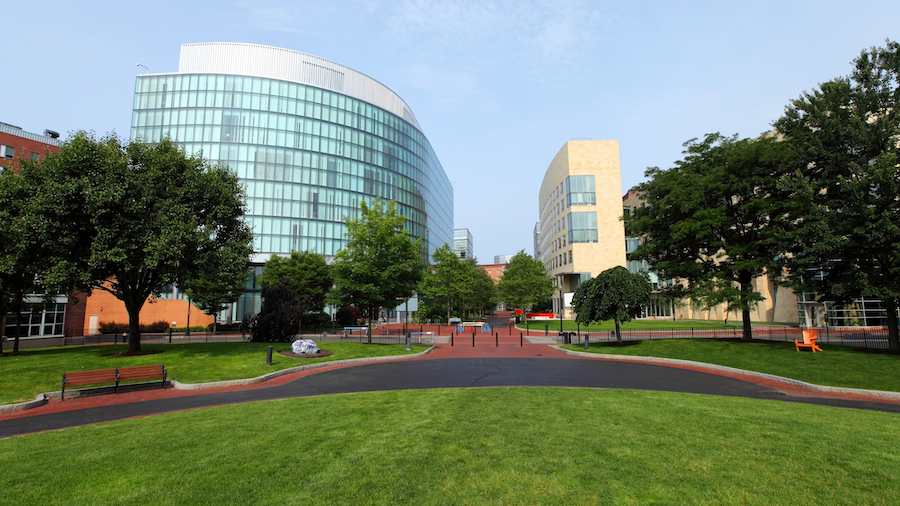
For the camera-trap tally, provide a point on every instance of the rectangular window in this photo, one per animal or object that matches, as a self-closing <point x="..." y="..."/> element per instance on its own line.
<point x="580" y="191"/>
<point x="583" y="227"/>
<point x="7" y="151"/>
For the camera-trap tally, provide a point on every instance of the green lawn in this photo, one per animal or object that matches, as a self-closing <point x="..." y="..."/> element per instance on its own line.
<point x="495" y="446"/>
<point x="553" y="325"/>
<point x="840" y="366"/>
<point x="24" y="376"/>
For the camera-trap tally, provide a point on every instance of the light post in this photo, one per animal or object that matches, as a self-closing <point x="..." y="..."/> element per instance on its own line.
<point x="145" y="68"/>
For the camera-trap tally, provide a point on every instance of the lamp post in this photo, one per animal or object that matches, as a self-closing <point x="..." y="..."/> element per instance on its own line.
<point x="145" y="68"/>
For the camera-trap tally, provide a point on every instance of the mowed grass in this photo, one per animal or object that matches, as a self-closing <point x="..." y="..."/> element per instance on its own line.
<point x="840" y="366"/>
<point x="658" y="325"/>
<point x="24" y="376"/>
<point x="468" y="447"/>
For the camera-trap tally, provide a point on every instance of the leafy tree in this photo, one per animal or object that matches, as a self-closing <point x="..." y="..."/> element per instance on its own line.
<point x="448" y="279"/>
<point x="714" y="220"/>
<point x="484" y="290"/>
<point x="133" y="219"/>
<point x="19" y="265"/>
<point x="279" y="317"/>
<point x="525" y="282"/>
<point x="212" y="289"/>
<point x="309" y="275"/>
<point x="381" y="265"/>
<point x="846" y="184"/>
<point x="615" y="294"/>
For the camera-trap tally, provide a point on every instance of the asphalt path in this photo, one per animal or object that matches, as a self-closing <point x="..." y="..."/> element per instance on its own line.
<point x="445" y="373"/>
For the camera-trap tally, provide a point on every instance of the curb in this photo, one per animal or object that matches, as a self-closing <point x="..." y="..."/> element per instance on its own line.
<point x="43" y="398"/>
<point x="732" y="370"/>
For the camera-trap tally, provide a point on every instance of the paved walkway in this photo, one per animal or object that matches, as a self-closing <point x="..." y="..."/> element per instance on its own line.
<point x="492" y="362"/>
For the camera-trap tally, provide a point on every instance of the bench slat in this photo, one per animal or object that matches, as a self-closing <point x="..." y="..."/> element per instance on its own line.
<point x="90" y="377"/>
<point x="142" y="372"/>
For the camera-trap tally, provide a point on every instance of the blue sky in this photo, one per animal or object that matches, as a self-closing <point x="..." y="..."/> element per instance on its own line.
<point x="498" y="87"/>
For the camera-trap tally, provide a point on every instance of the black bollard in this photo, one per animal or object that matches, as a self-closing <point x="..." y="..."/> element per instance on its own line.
<point x="520" y="339"/>
<point x="451" y="339"/>
<point x="170" y="335"/>
<point x="407" y="342"/>
<point x="587" y="341"/>
<point x="473" y="338"/>
<point x="269" y="356"/>
<point x="497" y="339"/>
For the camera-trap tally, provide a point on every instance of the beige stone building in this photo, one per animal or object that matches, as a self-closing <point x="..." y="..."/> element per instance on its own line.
<point x="580" y="232"/>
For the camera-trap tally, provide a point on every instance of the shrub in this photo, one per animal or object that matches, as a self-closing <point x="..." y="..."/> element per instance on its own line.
<point x="348" y="316"/>
<point x="316" y="320"/>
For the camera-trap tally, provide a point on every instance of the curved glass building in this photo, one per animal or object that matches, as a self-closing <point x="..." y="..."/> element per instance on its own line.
<point x="309" y="138"/>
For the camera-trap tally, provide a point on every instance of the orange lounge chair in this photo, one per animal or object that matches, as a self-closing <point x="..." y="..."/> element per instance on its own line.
<point x="809" y="340"/>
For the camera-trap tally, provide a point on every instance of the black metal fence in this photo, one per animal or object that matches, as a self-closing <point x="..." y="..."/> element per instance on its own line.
<point x="379" y="336"/>
<point x="872" y="338"/>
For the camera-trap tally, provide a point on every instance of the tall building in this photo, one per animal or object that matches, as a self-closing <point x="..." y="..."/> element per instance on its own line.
<point x="502" y="259"/>
<point x="580" y="233"/>
<point x="308" y="138"/>
<point x="463" y="244"/>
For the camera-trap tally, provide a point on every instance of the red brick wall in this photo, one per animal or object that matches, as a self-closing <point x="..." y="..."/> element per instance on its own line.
<point x="24" y="147"/>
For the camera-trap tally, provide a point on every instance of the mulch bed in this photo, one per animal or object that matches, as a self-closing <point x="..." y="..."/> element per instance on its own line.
<point x="322" y="353"/>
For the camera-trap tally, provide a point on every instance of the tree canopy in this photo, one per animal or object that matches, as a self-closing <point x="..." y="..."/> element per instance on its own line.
<point x="278" y="319"/>
<point x="714" y="221"/>
<point x="308" y="272"/>
<point x="131" y="219"/>
<point x="845" y="184"/>
<point x="525" y="282"/>
<point x="457" y="283"/>
<point x="614" y="294"/>
<point x="381" y="266"/>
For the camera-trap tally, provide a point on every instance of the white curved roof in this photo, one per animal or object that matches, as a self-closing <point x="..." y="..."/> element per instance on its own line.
<point x="277" y="63"/>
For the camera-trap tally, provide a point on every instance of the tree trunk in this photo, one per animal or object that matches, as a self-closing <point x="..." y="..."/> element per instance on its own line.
<point x="746" y="292"/>
<point x="618" y="333"/>
<point x="133" y="306"/>
<point x="19" y="306"/>
<point x="369" y="327"/>
<point x="892" y="324"/>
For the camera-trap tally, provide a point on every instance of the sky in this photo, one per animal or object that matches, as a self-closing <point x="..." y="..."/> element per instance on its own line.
<point x="497" y="86"/>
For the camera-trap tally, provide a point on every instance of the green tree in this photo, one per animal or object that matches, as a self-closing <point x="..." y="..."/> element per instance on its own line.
<point x="309" y="273"/>
<point x="279" y="317"/>
<point x="713" y="222"/>
<point x="17" y="274"/>
<point x="381" y="265"/>
<point x="846" y="185"/>
<point x="615" y="294"/>
<point x="214" y="288"/>
<point x="525" y="282"/>
<point x="484" y="290"/>
<point x="447" y="279"/>
<point x="131" y="219"/>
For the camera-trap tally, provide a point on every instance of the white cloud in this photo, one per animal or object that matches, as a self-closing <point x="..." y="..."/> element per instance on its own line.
<point x="275" y="16"/>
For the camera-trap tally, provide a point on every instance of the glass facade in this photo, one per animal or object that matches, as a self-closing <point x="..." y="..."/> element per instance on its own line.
<point x="580" y="191"/>
<point x="307" y="157"/>
<point x="583" y="227"/>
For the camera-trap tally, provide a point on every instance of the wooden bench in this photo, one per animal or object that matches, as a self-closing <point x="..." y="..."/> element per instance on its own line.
<point x="116" y="376"/>
<point x="809" y="340"/>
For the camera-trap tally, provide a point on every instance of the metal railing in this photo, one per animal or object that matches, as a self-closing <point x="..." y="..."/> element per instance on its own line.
<point x="871" y="338"/>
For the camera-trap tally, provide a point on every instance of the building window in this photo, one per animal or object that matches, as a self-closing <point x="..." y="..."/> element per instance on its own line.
<point x="580" y="191"/>
<point x="35" y="156"/>
<point x="7" y="151"/>
<point x="583" y="227"/>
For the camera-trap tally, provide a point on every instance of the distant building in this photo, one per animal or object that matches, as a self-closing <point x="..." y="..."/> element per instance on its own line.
<point x="536" y="233"/>
<point x="463" y="244"/>
<point x="580" y="233"/>
<point x="503" y="259"/>
<point x="17" y="145"/>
